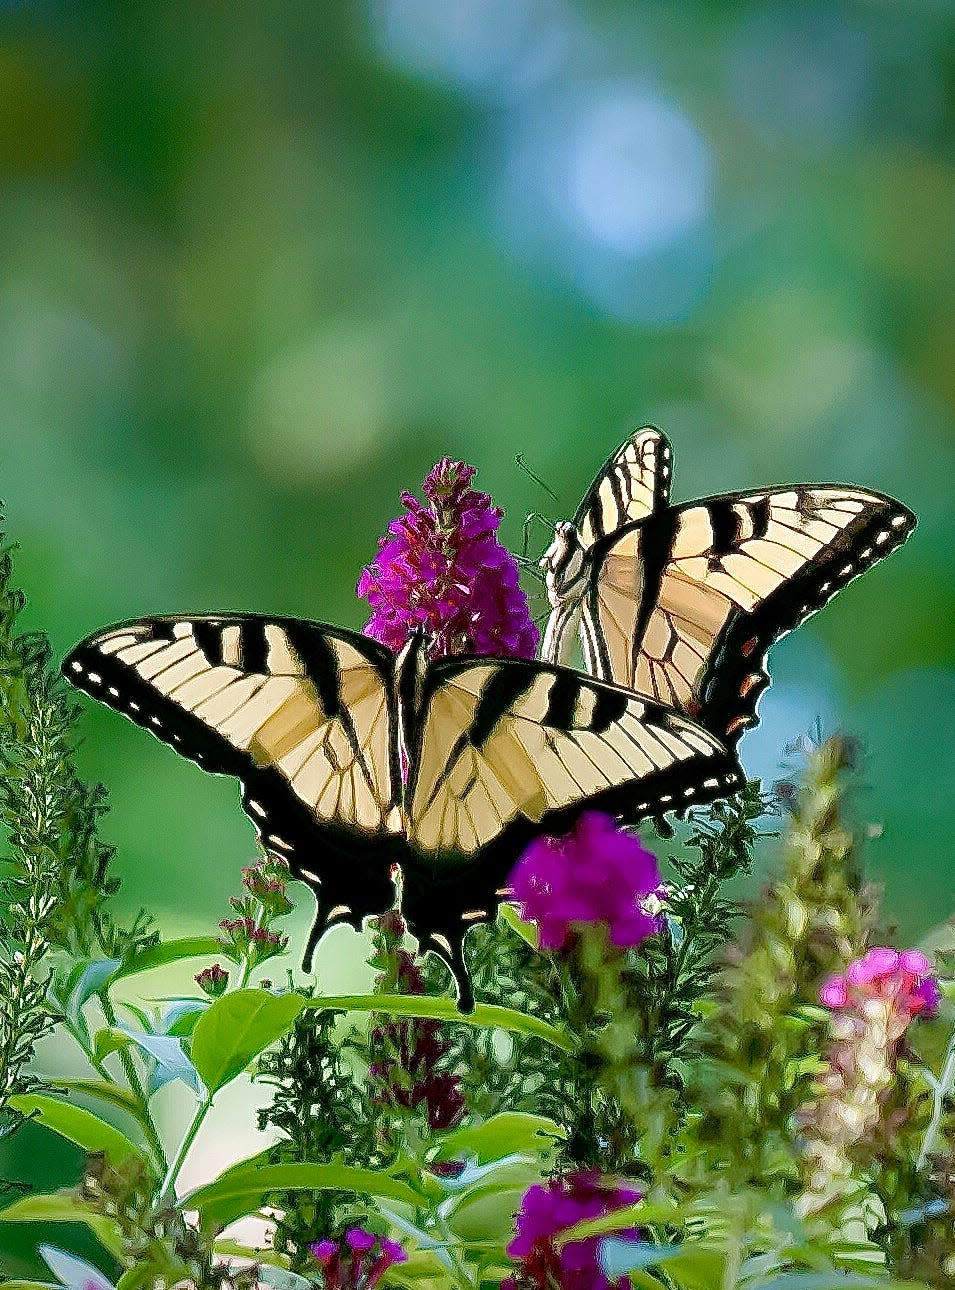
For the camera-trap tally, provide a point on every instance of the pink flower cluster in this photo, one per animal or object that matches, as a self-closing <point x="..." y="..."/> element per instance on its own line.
<point x="552" y="1208"/>
<point x="595" y="874"/>
<point x="358" y="1261"/>
<point x="443" y="570"/>
<point x="902" y="978"/>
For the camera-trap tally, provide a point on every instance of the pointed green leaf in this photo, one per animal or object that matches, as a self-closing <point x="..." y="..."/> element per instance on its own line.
<point x="82" y="1127"/>
<point x="527" y="931"/>
<point x="485" y="1015"/>
<point x="114" y="1094"/>
<point x="64" y="1207"/>
<point x="502" y="1135"/>
<point x="236" y="1028"/>
<point x="241" y="1191"/>
<point x="187" y="947"/>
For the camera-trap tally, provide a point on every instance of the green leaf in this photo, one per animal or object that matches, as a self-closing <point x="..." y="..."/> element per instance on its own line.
<point x="255" y="1255"/>
<point x="187" y="947"/>
<point x="485" y="1015"/>
<point x="82" y="1127"/>
<point x="835" y="1279"/>
<point x="114" y="1094"/>
<point x="241" y="1190"/>
<point x="91" y="980"/>
<point x="527" y="931"/>
<point x="237" y="1028"/>
<point x="619" y="1257"/>
<point x="63" y="1207"/>
<point x="487" y="1213"/>
<point x="142" y="1278"/>
<point x="170" y="1058"/>
<point x="502" y="1135"/>
<point x="282" y="1280"/>
<point x="29" y="1285"/>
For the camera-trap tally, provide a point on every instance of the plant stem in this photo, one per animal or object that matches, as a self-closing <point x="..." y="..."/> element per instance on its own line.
<point x="135" y="1084"/>
<point x="168" y="1190"/>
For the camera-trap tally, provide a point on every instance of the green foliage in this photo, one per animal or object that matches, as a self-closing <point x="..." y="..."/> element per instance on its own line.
<point x="236" y="1029"/>
<point x="693" y="1066"/>
<point x="762" y="1038"/>
<point x="318" y="1108"/>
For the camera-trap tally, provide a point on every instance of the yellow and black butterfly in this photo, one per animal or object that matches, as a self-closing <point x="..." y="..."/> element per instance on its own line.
<point x="353" y="759"/>
<point x="683" y="602"/>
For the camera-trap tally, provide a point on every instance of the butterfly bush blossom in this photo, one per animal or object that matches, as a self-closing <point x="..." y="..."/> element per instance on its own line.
<point x="873" y="1003"/>
<point x="358" y="1261"/>
<point x="553" y="1207"/>
<point x="594" y="874"/>
<point x="442" y="569"/>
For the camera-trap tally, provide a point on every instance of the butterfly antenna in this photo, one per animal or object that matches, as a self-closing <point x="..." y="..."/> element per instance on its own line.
<point x="522" y="465"/>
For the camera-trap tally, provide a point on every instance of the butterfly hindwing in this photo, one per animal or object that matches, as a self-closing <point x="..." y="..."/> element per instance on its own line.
<point x="633" y="483"/>
<point x="685" y="605"/>
<point x="508" y="749"/>
<point x="301" y="713"/>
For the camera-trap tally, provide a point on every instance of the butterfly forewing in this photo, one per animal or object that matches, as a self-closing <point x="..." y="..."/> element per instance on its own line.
<point x="632" y="484"/>
<point x="685" y="605"/>
<point x="302" y="714"/>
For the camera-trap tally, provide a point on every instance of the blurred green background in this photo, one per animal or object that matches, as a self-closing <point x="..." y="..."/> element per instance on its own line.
<point x="262" y="264"/>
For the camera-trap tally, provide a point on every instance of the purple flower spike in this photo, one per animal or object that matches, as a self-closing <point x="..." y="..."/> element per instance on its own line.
<point x="596" y="874"/>
<point x="442" y="569"/>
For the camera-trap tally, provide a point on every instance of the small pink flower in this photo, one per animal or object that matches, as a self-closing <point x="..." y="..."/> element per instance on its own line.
<point x="357" y="1261"/>
<point x="213" y="980"/>
<point x="882" y="973"/>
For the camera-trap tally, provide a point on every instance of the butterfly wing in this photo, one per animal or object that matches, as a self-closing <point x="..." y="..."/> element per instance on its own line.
<point x="685" y="605"/>
<point x="633" y="483"/>
<point x="301" y="713"/>
<point x="508" y="749"/>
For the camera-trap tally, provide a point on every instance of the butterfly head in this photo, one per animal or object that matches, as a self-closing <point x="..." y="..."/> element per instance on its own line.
<point x="564" y="564"/>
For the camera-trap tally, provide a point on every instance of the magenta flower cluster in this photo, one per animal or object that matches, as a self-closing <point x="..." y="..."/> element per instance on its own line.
<point x="442" y="569"/>
<point x="903" y="978"/>
<point x="595" y="874"/>
<point x="551" y="1208"/>
<point x="358" y="1261"/>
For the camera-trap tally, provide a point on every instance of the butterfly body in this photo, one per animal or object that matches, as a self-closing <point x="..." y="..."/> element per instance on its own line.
<point x="683" y="602"/>
<point x="354" y="759"/>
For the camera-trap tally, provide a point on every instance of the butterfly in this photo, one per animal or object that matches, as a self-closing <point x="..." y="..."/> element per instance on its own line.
<point x="354" y="759"/>
<point x="683" y="602"/>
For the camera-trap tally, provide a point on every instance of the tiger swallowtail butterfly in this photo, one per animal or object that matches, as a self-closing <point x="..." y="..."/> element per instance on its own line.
<point x="682" y="603"/>
<point x="354" y="759"/>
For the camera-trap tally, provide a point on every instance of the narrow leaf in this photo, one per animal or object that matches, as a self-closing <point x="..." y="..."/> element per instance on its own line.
<point x="241" y="1192"/>
<point x="63" y="1207"/>
<point x="188" y="947"/>
<point x="236" y="1028"/>
<point x="485" y="1015"/>
<point x="82" y="1127"/>
<point x="502" y="1135"/>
